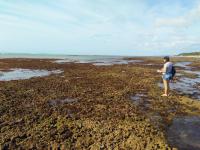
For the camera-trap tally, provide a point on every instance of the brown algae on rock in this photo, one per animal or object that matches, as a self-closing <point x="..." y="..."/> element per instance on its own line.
<point x="94" y="111"/>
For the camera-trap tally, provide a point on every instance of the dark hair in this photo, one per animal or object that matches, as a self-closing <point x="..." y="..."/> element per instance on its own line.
<point x="166" y="58"/>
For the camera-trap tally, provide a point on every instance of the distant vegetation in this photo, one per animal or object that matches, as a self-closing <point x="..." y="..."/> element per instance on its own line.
<point x="190" y="54"/>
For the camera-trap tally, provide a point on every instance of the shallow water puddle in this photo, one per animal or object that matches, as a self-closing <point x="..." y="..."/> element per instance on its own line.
<point x="184" y="65"/>
<point x="141" y="99"/>
<point x="100" y="61"/>
<point x="119" y="62"/>
<point x="185" y="86"/>
<point x="155" y="118"/>
<point x="20" y="74"/>
<point x="193" y="72"/>
<point x="137" y="98"/>
<point x="184" y="133"/>
<point x="57" y="102"/>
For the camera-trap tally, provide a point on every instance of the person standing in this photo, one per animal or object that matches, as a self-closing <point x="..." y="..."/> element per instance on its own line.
<point x="167" y="74"/>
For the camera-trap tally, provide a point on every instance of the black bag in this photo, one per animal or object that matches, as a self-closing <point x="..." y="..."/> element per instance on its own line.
<point x="173" y="71"/>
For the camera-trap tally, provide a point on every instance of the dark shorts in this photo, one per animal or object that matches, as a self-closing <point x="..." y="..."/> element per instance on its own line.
<point x="167" y="76"/>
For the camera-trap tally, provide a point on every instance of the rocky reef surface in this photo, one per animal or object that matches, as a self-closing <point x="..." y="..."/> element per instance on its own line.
<point x="90" y="107"/>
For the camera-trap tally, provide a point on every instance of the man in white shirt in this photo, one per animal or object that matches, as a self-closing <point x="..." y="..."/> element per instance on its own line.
<point x="167" y="74"/>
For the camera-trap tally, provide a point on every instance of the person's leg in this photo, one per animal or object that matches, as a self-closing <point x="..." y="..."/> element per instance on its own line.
<point x="166" y="87"/>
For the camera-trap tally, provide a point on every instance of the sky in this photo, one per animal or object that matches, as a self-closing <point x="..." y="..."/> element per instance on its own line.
<point x="100" y="27"/>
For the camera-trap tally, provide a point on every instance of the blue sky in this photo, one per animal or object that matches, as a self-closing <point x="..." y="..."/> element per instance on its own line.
<point x="105" y="27"/>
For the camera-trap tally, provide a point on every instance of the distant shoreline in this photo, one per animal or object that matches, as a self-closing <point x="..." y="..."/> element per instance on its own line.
<point x="191" y="56"/>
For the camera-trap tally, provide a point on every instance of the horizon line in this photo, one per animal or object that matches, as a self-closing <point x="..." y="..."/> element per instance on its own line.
<point x="63" y="54"/>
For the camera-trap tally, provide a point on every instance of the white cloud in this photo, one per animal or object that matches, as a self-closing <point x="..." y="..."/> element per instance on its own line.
<point x="172" y="22"/>
<point x="181" y="21"/>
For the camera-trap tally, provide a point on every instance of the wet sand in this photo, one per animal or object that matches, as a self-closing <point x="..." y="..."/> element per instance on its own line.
<point x="88" y="106"/>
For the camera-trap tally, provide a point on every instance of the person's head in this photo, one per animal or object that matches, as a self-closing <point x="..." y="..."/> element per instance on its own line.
<point x="166" y="59"/>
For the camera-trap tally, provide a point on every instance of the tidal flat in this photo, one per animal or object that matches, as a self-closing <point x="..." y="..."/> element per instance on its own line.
<point x="95" y="107"/>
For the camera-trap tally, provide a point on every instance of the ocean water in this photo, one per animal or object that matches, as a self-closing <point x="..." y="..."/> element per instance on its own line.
<point x="47" y="56"/>
<point x="98" y="60"/>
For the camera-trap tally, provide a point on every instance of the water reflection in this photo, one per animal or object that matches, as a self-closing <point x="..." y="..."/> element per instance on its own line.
<point x="184" y="133"/>
<point x="100" y="61"/>
<point x="20" y="74"/>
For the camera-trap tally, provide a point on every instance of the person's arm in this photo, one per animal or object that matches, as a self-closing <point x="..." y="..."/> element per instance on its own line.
<point x="163" y="70"/>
